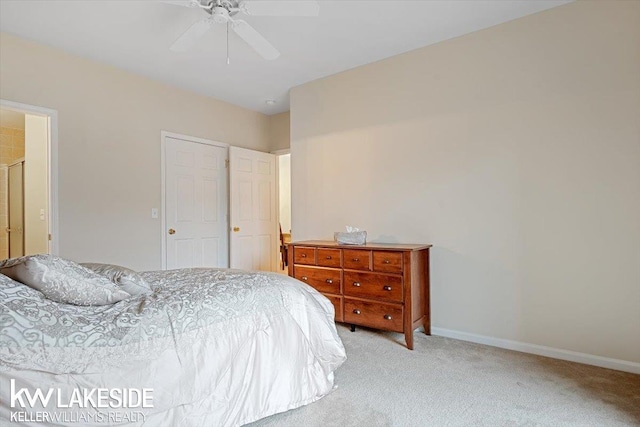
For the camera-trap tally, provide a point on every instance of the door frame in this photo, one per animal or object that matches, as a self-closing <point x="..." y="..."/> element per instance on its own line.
<point x="163" y="149"/>
<point x="52" y="164"/>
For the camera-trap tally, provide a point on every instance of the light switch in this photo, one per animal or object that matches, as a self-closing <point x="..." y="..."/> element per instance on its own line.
<point x="154" y="213"/>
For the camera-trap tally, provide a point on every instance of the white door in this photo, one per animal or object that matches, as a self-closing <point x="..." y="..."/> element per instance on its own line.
<point x="254" y="225"/>
<point x="195" y="205"/>
<point x="16" y="210"/>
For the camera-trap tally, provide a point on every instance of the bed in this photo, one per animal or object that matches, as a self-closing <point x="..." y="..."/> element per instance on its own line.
<point x="212" y="347"/>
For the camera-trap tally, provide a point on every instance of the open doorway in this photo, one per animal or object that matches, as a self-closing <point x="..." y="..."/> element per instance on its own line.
<point x="284" y="206"/>
<point x="26" y="211"/>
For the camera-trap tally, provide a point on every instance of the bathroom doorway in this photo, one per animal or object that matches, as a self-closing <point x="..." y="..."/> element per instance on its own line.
<point x="26" y="225"/>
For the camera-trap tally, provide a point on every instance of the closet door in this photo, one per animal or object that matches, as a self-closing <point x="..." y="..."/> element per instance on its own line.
<point x="195" y="204"/>
<point x="254" y="238"/>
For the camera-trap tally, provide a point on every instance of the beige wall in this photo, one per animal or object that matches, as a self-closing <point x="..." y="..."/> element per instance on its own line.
<point x="36" y="184"/>
<point x="109" y="145"/>
<point x="516" y="152"/>
<point x="279" y="131"/>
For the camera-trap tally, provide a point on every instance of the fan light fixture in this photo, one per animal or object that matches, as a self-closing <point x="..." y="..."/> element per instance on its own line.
<point x="220" y="15"/>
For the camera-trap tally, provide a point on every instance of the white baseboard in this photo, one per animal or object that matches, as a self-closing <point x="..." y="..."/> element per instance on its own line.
<point x="540" y="350"/>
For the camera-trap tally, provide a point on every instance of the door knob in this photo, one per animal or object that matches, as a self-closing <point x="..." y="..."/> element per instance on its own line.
<point x="236" y="229"/>
<point x="172" y="231"/>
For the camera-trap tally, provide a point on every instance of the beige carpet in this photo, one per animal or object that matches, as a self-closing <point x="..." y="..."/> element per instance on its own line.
<point x="445" y="382"/>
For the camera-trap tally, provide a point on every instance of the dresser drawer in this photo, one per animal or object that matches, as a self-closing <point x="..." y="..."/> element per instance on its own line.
<point x="357" y="259"/>
<point x="387" y="262"/>
<point x="374" y="314"/>
<point x="372" y="285"/>
<point x="304" y="255"/>
<point x="330" y="257"/>
<point x="323" y="279"/>
<point x="337" y="304"/>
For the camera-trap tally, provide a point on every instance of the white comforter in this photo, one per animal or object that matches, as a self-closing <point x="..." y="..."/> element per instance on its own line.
<point x="215" y="347"/>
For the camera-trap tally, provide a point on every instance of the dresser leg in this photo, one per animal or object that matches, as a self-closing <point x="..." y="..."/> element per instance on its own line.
<point x="353" y="328"/>
<point x="408" y="337"/>
<point x="427" y="328"/>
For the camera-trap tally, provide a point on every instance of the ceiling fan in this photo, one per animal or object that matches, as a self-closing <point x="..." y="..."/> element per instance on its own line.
<point x="225" y="12"/>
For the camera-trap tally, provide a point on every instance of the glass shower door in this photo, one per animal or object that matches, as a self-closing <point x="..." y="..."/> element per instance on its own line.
<point x="16" y="210"/>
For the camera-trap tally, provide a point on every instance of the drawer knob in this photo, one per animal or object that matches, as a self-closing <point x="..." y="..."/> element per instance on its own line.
<point x="356" y="260"/>
<point x="356" y="311"/>
<point x="329" y="281"/>
<point x="303" y="255"/>
<point x="386" y="288"/>
<point x="356" y="284"/>
<point x="328" y="256"/>
<point x="387" y="316"/>
<point x="386" y="261"/>
<point x="305" y="278"/>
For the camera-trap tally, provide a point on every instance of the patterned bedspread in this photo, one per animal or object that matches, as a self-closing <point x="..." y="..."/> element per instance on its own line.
<point x="189" y="338"/>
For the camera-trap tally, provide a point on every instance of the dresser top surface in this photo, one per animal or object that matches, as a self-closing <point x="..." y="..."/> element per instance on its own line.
<point x="388" y="246"/>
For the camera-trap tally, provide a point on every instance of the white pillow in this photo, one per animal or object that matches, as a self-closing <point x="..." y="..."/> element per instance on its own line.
<point x="127" y="279"/>
<point x="62" y="280"/>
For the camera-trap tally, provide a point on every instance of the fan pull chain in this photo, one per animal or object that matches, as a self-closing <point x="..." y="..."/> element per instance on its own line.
<point x="227" y="42"/>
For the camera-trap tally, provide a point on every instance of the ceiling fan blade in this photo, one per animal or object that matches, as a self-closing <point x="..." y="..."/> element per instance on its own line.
<point x="192" y="35"/>
<point x="254" y="39"/>
<point x="185" y="3"/>
<point x="280" y="8"/>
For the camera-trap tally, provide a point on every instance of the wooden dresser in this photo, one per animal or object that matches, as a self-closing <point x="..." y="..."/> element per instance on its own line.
<point x="382" y="286"/>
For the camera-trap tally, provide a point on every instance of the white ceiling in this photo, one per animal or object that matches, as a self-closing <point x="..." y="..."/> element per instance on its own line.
<point x="136" y="35"/>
